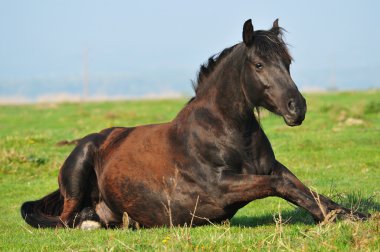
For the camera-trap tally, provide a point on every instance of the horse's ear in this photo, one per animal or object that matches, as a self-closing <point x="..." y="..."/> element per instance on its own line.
<point x="276" y="28"/>
<point x="248" y="33"/>
<point x="275" y="23"/>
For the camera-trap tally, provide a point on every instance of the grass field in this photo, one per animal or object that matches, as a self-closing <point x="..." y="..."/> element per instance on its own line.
<point x="336" y="151"/>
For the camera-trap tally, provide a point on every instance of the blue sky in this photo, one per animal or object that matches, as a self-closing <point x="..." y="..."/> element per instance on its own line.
<point x="162" y="43"/>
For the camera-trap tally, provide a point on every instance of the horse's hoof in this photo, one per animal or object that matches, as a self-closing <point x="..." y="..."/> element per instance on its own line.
<point x="343" y="214"/>
<point x="357" y="216"/>
<point x="351" y="216"/>
<point x="90" y="225"/>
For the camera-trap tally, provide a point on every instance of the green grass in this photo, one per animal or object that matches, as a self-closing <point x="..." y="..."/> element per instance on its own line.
<point x="336" y="151"/>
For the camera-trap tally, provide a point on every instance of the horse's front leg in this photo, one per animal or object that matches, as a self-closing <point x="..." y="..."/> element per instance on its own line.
<point x="326" y="207"/>
<point x="243" y="188"/>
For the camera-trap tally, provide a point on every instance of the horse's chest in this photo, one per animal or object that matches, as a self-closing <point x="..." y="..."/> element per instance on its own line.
<point x="235" y="158"/>
<point x="218" y="154"/>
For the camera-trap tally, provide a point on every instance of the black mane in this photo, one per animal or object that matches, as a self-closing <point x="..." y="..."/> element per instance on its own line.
<point x="208" y="67"/>
<point x="267" y="44"/>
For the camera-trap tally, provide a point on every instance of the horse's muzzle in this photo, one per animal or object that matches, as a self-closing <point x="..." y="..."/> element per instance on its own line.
<point x="296" y="111"/>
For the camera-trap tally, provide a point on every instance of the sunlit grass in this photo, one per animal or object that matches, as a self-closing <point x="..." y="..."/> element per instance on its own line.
<point x="336" y="151"/>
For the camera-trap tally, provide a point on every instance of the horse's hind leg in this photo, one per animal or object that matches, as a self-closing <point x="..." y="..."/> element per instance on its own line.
<point x="77" y="179"/>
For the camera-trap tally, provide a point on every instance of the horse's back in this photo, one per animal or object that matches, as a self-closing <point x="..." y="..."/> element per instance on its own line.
<point x="140" y="151"/>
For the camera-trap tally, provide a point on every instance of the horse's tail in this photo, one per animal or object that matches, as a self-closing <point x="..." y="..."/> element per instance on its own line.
<point x="45" y="212"/>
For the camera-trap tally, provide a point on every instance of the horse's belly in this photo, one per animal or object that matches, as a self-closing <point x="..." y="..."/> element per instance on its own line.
<point x="140" y="177"/>
<point x="159" y="204"/>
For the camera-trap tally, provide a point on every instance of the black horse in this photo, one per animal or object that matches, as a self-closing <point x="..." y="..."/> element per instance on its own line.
<point x="210" y="161"/>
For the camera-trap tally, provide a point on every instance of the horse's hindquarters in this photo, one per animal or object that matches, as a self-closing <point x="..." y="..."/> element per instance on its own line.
<point x="133" y="174"/>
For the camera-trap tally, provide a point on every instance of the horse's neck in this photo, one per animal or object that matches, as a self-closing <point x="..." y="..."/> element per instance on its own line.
<point x="226" y="89"/>
<point x="223" y="99"/>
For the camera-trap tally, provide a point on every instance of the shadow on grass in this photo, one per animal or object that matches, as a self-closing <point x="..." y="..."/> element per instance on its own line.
<point x="355" y="201"/>
<point x="294" y="216"/>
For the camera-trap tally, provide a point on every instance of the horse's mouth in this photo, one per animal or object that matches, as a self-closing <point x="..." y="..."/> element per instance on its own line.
<point x="293" y="121"/>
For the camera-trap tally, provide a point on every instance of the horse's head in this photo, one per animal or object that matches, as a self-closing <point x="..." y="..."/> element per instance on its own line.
<point x="266" y="76"/>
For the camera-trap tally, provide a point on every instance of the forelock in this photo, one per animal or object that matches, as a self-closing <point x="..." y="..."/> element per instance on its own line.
<point x="270" y="44"/>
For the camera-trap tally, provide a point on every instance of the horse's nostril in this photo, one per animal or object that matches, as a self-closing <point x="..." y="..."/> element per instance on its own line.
<point x="291" y="106"/>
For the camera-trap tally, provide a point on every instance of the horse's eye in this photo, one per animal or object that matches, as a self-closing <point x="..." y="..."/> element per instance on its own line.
<point x="259" y="66"/>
